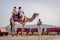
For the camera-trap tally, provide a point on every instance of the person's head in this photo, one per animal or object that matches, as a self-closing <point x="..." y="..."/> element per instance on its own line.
<point x="14" y="7"/>
<point x="19" y="7"/>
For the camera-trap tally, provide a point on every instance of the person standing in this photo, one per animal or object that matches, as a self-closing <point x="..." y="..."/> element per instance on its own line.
<point x="39" y="24"/>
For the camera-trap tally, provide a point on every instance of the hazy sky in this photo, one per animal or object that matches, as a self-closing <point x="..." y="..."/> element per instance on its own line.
<point x="49" y="10"/>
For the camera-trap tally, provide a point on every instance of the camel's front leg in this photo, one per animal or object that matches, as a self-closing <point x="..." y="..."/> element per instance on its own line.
<point x="22" y="28"/>
<point x="12" y="27"/>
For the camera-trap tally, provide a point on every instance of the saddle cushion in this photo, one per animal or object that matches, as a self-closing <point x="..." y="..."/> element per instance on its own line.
<point x="15" y="19"/>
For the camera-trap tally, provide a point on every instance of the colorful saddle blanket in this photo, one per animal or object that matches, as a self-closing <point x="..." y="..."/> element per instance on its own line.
<point x="15" y="19"/>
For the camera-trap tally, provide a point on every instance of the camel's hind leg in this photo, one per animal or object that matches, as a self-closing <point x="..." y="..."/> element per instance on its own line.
<point x="22" y="29"/>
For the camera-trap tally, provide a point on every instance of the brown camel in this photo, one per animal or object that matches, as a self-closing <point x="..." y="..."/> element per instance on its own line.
<point x="14" y="19"/>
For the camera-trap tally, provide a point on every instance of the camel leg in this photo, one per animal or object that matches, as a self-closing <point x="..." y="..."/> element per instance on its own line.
<point x="22" y="28"/>
<point x="12" y="27"/>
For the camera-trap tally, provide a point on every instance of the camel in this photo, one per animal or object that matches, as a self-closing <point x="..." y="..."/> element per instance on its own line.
<point x="26" y="19"/>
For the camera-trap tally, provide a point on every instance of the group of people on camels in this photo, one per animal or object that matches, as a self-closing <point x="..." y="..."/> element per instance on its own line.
<point x="19" y="16"/>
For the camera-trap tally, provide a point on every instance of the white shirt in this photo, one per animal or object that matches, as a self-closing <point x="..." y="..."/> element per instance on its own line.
<point x="39" y="23"/>
<point x="21" y="14"/>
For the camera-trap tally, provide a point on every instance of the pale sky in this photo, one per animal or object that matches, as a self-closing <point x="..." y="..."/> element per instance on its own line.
<point x="49" y="10"/>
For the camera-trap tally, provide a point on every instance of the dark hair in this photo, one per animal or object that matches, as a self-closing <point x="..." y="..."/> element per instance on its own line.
<point x="14" y="7"/>
<point x="39" y="19"/>
<point x="19" y="7"/>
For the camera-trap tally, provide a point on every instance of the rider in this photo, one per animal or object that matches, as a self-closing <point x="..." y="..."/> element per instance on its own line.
<point x="15" y="12"/>
<point x="21" y="14"/>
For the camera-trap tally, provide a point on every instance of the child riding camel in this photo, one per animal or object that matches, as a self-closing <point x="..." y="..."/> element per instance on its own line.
<point x="21" y="14"/>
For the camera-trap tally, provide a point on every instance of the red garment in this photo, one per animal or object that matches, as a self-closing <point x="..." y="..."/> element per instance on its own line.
<point x="15" y="19"/>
